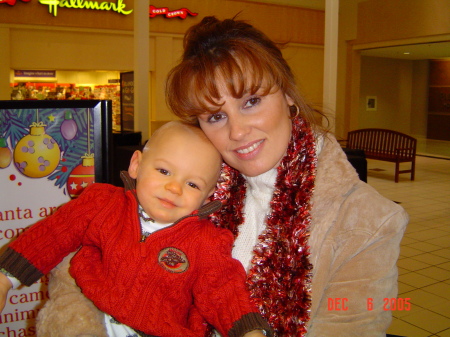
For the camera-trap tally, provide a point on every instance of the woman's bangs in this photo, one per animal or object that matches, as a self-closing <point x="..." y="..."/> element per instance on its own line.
<point x="223" y="75"/>
<point x="239" y="72"/>
<point x="258" y="73"/>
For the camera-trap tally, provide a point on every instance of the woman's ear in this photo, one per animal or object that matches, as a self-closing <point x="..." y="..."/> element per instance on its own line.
<point x="134" y="164"/>
<point x="289" y="100"/>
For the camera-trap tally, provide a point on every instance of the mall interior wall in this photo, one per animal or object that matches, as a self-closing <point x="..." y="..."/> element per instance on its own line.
<point x="367" y="24"/>
<point x="82" y="40"/>
<point x="31" y="37"/>
<point x="400" y="87"/>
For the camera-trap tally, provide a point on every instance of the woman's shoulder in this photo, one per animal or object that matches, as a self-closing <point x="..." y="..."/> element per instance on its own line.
<point x="340" y="194"/>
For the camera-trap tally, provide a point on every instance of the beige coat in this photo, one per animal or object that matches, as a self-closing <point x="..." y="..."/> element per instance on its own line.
<point x="355" y="242"/>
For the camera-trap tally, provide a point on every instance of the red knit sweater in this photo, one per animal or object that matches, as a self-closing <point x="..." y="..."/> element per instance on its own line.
<point x="164" y="286"/>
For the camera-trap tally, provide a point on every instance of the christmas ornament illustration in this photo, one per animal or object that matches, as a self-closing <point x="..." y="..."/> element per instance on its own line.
<point x="68" y="126"/>
<point x="81" y="176"/>
<point x="37" y="154"/>
<point x="5" y="154"/>
<point x="84" y="174"/>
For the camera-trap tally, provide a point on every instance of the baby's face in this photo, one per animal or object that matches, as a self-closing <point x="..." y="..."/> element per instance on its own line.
<point x="175" y="175"/>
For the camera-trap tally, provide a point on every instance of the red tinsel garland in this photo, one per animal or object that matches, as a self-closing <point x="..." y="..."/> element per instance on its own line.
<point x="280" y="277"/>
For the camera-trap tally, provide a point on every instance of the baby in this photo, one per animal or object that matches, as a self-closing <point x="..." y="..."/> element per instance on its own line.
<point x="147" y="257"/>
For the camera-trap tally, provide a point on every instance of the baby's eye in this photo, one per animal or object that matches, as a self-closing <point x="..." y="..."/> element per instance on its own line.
<point x="163" y="171"/>
<point x="193" y="185"/>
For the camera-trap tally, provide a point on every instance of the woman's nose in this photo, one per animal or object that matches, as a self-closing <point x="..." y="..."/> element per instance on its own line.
<point x="174" y="187"/>
<point x="238" y="127"/>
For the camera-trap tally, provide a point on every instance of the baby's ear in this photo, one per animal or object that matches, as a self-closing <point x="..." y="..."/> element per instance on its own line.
<point x="208" y="198"/>
<point x="134" y="164"/>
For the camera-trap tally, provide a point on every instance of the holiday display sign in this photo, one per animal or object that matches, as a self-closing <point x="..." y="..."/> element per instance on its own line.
<point x="47" y="157"/>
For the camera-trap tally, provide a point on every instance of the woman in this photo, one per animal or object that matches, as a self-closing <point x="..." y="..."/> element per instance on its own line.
<point x="320" y="246"/>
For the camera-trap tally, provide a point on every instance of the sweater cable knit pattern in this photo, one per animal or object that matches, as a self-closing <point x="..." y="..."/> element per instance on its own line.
<point x="122" y="275"/>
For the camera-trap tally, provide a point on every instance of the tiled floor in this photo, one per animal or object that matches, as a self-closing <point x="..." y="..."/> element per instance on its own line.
<point x="424" y="263"/>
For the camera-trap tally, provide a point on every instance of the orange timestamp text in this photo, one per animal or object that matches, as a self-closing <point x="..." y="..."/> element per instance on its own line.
<point x="389" y="304"/>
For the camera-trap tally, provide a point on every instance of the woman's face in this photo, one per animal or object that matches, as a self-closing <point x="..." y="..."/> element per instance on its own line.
<point x="252" y="132"/>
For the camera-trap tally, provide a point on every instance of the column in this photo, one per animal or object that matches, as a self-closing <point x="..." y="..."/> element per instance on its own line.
<point x="330" y="60"/>
<point x="141" y="68"/>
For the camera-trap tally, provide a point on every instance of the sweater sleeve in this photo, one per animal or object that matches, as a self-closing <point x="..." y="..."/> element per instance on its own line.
<point x="220" y="292"/>
<point x="43" y="245"/>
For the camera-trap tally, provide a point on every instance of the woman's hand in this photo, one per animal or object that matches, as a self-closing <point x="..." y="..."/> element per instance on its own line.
<point x="5" y="285"/>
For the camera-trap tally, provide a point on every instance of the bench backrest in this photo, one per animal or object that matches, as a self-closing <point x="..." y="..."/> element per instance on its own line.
<point x="383" y="142"/>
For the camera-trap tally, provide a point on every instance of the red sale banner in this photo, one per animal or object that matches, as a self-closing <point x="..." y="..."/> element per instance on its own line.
<point x="181" y="13"/>
<point x="12" y="2"/>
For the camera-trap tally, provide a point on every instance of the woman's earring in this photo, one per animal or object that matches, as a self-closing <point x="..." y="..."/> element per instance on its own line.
<point x="294" y="111"/>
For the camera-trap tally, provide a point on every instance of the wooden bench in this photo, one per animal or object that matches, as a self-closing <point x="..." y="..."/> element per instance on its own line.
<point x="386" y="145"/>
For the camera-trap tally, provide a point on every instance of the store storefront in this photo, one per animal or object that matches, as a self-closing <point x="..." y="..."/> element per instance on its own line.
<point x="68" y="85"/>
<point x="65" y="53"/>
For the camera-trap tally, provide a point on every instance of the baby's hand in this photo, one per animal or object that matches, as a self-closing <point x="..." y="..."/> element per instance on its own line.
<point x="255" y="333"/>
<point x="5" y="285"/>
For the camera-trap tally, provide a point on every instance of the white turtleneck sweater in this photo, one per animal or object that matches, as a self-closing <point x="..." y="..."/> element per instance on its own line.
<point x="257" y="208"/>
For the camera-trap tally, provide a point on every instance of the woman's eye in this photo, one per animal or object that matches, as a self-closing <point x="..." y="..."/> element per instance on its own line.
<point x="216" y="117"/>
<point x="252" y="101"/>
<point x="163" y="171"/>
<point x="193" y="185"/>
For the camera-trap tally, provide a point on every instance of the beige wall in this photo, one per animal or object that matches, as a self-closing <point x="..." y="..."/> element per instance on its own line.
<point x="280" y="23"/>
<point x="387" y="20"/>
<point x="369" y="24"/>
<point x="44" y="48"/>
<point x="400" y="91"/>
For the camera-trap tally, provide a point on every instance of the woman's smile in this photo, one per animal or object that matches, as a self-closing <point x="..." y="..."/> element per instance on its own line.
<point x="250" y="149"/>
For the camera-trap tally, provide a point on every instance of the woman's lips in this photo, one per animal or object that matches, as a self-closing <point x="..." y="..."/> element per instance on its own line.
<point x="249" y="150"/>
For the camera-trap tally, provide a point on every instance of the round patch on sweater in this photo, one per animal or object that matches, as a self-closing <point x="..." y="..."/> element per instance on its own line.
<point x="173" y="260"/>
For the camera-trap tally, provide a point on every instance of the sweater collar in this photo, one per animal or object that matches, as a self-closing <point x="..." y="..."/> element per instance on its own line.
<point x="263" y="182"/>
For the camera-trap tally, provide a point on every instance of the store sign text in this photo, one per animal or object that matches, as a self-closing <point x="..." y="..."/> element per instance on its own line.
<point x="117" y="6"/>
<point x="181" y="13"/>
<point x="34" y="73"/>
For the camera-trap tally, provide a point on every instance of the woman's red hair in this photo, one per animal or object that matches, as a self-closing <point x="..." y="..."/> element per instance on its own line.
<point x="231" y="55"/>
